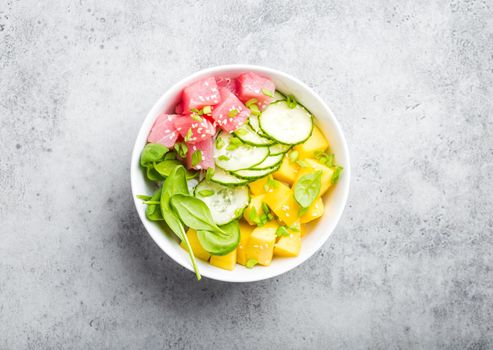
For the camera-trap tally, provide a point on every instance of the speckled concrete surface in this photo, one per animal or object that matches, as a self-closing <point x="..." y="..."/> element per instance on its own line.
<point x="410" y="265"/>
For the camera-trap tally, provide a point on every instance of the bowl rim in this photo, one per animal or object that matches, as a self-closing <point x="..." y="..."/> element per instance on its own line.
<point x="169" y="93"/>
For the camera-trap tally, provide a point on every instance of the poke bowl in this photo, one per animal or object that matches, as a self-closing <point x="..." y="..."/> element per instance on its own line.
<point x="240" y="173"/>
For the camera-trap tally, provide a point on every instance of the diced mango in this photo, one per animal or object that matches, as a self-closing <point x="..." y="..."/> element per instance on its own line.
<point x="315" y="143"/>
<point x="257" y="187"/>
<point x="314" y="211"/>
<point x="260" y="245"/>
<point x="197" y="249"/>
<point x="303" y="230"/>
<point x="280" y="199"/>
<point x="288" y="246"/>
<point x="226" y="262"/>
<point x="288" y="171"/>
<point x="245" y="231"/>
<point x="313" y="166"/>
<point x="255" y="202"/>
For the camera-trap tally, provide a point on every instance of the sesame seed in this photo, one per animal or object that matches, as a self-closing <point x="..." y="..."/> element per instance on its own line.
<point x="201" y="98"/>
<point x="206" y="83"/>
<point x="178" y="128"/>
<point x="167" y="130"/>
<point x="287" y="215"/>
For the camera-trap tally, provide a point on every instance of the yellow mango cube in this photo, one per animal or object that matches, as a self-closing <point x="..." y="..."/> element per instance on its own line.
<point x="245" y="231"/>
<point x="288" y="246"/>
<point x="226" y="262"/>
<point x="280" y="199"/>
<point x="315" y="143"/>
<point x="288" y="171"/>
<point x="257" y="186"/>
<point x="303" y="230"/>
<point x="197" y="249"/>
<point x="314" y="211"/>
<point x="260" y="245"/>
<point x="255" y="202"/>
<point x="313" y="166"/>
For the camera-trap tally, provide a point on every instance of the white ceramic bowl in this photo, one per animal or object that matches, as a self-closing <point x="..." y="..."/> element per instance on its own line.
<point x="335" y="201"/>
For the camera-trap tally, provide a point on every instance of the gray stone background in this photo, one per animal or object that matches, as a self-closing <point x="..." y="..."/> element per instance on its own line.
<point x="409" y="266"/>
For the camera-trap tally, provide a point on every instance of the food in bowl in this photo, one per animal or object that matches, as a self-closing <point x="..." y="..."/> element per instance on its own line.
<point x="240" y="168"/>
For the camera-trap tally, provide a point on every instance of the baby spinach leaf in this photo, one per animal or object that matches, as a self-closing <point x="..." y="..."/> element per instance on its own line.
<point x="165" y="167"/>
<point x="153" y="211"/>
<point x="170" y="156"/>
<point x="307" y="188"/>
<point x="221" y="244"/>
<point x="153" y="175"/>
<point x="251" y="263"/>
<point x="152" y="152"/>
<point x="194" y="213"/>
<point x="176" y="183"/>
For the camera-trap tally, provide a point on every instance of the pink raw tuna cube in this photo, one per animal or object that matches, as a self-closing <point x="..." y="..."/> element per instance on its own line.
<point x="200" y="129"/>
<point x="224" y="114"/>
<point x="228" y="83"/>
<point x="201" y="93"/>
<point x="163" y="131"/>
<point x="179" y="108"/>
<point x="206" y="147"/>
<point x="250" y="86"/>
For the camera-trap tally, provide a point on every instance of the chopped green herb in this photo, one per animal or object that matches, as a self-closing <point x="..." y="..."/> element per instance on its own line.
<point x="219" y="143"/>
<point x="291" y="101"/>
<point x="209" y="174"/>
<point x="238" y="212"/>
<point x="233" y="113"/>
<point x="282" y="231"/>
<point x="188" y="136"/>
<point x="293" y="156"/>
<point x="265" y="208"/>
<point x="251" y="263"/>
<point x="194" y="110"/>
<point x="207" y="110"/>
<point x="325" y="158"/>
<point x="294" y="228"/>
<point x="255" y="110"/>
<point x="267" y="92"/>
<point x="302" y="211"/>
<point x="196" y="117"/>
<point x="271" y="183"/>
<point x="235" y="141"/>
<point x="337" y="173"/>
<point x="223" y="157"/>
<point x="250" y="102"/>
<point x="196" y="157"/>
<point x="253" y="215"/>
<point x="206" y="193"/>
<point x="232" y="146"/>
<point x="182" y="149"/>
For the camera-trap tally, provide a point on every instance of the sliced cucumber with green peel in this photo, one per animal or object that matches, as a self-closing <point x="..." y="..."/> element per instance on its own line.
<point x="225" y="203"/>
<point x="286" y="125"/>
<point x="246" y="134"/>
<point x="278" y="148"/>
<point x="255" y="125"/>
<point x="222" y="177"/>
<point x="233" y="156"/>
<point x="269" y="162"/>
<point x="278" y="96"/>
<point x="253" y="174"/>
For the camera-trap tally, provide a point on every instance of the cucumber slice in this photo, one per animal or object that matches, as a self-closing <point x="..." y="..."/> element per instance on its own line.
<point x="269" y="162"/>
<point x="242" y="156"/>
<point x="224" y="178"/>
<point x="252" y="174"/>
<point x="286" y="125"/>
<point x="278" y="96"/>
<point x="255" y="125"/>
<point x="225" y="203"/>
<point x="278" y="148"/>
<point x="246" y="134"/>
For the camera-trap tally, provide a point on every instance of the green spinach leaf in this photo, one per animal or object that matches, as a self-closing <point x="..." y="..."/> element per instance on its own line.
<point x="194" y="213"/>
<point x="153" y="175"/>
<point x="176" y="183"/>
<point x="221" y="244"/>
<point x="307" y="188"/>
<point x="152" y="152"/>
<point x="337" y="173"/>
<point x="153" y="211"/>
<point x="165" y="167"/>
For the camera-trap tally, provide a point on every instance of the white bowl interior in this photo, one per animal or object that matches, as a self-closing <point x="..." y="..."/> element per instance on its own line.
<point x="318" y="232"/>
